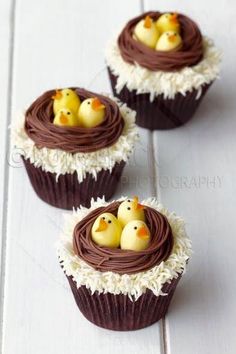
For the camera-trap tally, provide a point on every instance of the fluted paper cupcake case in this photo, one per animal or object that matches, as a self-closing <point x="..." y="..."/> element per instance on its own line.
<point x="161" y="113"/>
<point x="118" y="312"/>
<point x="66" y="192"/>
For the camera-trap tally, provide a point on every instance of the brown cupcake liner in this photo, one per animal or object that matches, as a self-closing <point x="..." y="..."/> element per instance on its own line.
<point x="66" y="192"/>
<point x="162" y="113"/>
<point x="118" y="312"/>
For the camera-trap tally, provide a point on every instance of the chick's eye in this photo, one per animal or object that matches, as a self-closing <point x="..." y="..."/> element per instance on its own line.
<point x="128" y="208"/>
<point x="129" y="200"/>
<point x="68" y="113"/>
<point x="135" y="228"/>
<point x="67" y="94"/>
<point x="88" y="102"/>
<point x="103" y="218"/>
<point x="109" y="221"/>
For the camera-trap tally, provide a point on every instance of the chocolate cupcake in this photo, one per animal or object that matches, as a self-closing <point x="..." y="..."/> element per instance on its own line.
<point x="123" y="269"/>
<point x="69" y="158"/>
<point x="164" y="71"/>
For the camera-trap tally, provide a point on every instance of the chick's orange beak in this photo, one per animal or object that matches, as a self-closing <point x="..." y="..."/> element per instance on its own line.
<point x="148" y="22"/>
<point x="57" y="96"/>
<point x="174" y="18"/>
<point x="63" y="119"/>
<point x="137" y="206"/>
<point x="97" y="105"/>
<point x="102" y="226"/>
<point x="143" y="233"/>
<point x="172" y="38"/>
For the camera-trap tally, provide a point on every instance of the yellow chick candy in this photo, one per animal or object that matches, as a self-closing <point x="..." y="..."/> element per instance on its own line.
<point x="66" y="117"/>
<point x="66" y="98"/>
<point x="169" y="41"/>
<point x="146" y="32"/>
<point x="106" y="231"/>
<point x="168" y="22"/>
<point x="91" y="112"/>
<point x="135" y="236"/>
<point x="130" y="210"/>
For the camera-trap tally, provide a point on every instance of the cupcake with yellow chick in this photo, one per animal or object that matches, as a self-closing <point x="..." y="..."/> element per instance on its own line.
<point x="74" y="145"/>
<point x="127" y="256"/>
<point x="161" y="65"/>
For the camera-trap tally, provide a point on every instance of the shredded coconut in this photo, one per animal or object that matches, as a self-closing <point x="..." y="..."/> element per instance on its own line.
<point x="136" y="77"/>
<point x="61" y="162"/>
<point x="133" y="285"/>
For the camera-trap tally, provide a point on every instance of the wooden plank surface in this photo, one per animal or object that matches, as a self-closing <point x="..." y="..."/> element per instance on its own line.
<point x="6" y="47"/>
<point x="196" y="179"/>
<point x="5" y="62"/>
<point x="60" y="43"/>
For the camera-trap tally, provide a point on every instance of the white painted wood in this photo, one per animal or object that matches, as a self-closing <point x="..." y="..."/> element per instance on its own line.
<point x="196" y="167"/>
<point x="40" y="314"/>
<point x="59" y="43"/>
<point x="5" y="44"/>
<point x="5" y="89"/>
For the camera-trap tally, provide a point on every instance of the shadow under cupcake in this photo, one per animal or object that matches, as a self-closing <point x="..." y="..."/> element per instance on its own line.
<point x="165" y="87"/>
<point x="128" y="286"/>
<point x="69" y="165"/>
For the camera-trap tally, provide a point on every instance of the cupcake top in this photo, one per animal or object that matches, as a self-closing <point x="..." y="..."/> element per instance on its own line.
<point x="190" y="53"/>
<point x="157" y="253"/>
<point x="40" y="128"/>
<point x="163" y="61"/>
<point x="64" y="140"/>
<point x="119" y="260"/>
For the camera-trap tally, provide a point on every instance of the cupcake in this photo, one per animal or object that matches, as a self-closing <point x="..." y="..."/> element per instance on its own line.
<point x="123" y="261"/>
<point x="162" y="66"/>
<point x="74" y="145"/>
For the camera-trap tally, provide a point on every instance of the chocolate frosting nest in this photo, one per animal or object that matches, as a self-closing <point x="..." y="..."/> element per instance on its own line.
<point x="40" y="128"/>
<point x="189" y="54"/>
<point x="122" y="261"/>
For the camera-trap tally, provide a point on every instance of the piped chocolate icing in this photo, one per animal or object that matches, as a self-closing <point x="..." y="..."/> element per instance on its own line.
<point x="189" y="54"/>
<point x="40" y="128"/>
<point x="122" y="261"/>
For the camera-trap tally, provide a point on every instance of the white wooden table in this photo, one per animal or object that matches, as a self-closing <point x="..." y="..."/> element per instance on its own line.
<point x="51" y="43"/>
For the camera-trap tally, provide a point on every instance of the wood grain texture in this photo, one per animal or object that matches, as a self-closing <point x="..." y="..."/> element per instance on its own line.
<point x="196" y="179"/>
<point x="60" y="43"/>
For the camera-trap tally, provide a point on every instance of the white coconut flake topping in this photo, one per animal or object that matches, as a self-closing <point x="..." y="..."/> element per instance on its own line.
<point x="62" y="162"/>
<point x="133" y="285"/>
<point x="136" y="77"/>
